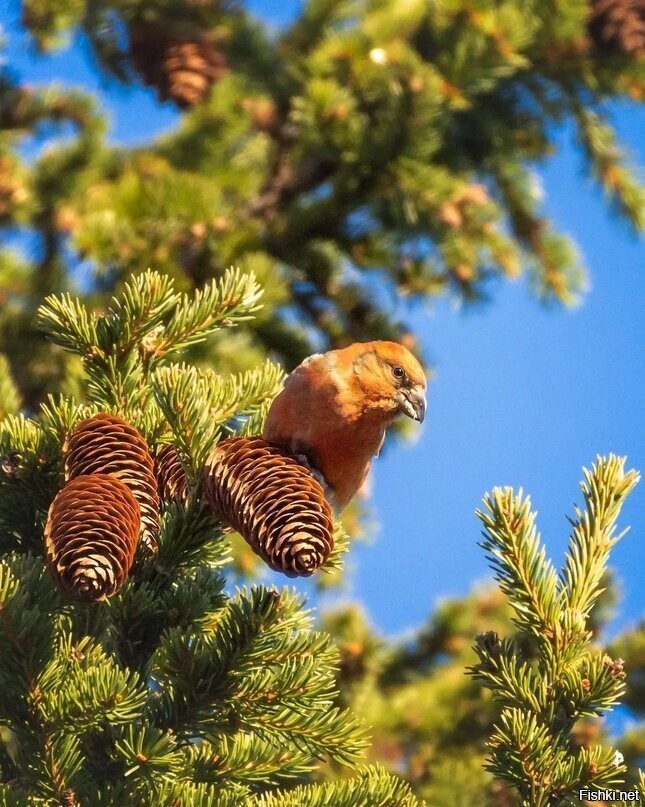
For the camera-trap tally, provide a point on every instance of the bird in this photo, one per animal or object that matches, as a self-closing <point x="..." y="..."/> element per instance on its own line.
<point x="335" y="408"/>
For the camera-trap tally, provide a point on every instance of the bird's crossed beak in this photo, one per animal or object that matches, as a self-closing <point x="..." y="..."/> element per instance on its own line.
<point x="413" y="404"/>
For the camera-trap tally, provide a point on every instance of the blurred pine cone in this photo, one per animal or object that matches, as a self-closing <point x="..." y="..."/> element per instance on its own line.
<point x="106" y="444"/>
<point x="91" y="536"/>
<point x="182" y="67"/>
<point x="273" y="501"/>
<point x="172" y="482"/>
<point x="68" y="799"/>
<point x="617" y="27"/>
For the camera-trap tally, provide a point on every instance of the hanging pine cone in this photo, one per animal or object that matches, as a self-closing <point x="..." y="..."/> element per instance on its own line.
<point x="273" y="501"/>
<point x="91" y="536"/>
<point x="106" y="444"/>
<point x="68" y="799"/>
<point x="181" y="67"/>
<point x="617" y="27"/>
<point x="172" y="482"/>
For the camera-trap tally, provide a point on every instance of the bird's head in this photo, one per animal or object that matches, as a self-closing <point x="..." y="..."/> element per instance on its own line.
<point x="389" y="378"/>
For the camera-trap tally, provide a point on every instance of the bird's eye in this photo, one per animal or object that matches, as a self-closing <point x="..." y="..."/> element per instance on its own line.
<point x="398" y="372"/>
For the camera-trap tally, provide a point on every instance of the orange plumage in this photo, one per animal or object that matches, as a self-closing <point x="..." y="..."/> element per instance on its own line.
<point x="336" y="406"/>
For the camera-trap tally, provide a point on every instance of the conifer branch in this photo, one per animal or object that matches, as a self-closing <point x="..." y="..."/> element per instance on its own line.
<point x="200" y="405"/>
<point x="372" y="786"/>
<point x="29" y="477"/>
<point x="67" y="323"/>
<point x="59" y="415"/>
<point x="122" y="347"/>
<point x="182" y="393"/>
<point x="221" y="303"/>
<point x="147" y="752"/>
<point x="141" y="308"/>
<point x="258" y="664"/>
<point x="82" y="687"/>
<point x="543" y="691"/>
<point x="334" y="562"/>
<point x="641" y="785"/>
<point x="604" y="488"/>
<point x="172" y="691"/>
<point x="519" y="559"/>
<point x="9" y="396"/>
<point x="242" y="395"/>
<point x="247" y="758"/>
<point x="188" y="539"/>
<point x="608" y="163"/>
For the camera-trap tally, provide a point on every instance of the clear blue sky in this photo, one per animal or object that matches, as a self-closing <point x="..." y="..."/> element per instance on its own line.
<point x="523" y="395"/>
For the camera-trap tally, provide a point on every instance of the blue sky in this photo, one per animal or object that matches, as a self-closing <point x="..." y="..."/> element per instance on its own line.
<point x="523" y="395"/>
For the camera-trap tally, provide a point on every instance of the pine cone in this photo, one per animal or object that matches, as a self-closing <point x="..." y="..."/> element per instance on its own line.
<point x="91" y="535"/>
<point x="617" y="27"/>
<point x="106" y="444"/>
<point x="273" y="501"/>
<point x="172" y="482"/>
<point x="68" y="799"/>
<point x="181" y="67"/>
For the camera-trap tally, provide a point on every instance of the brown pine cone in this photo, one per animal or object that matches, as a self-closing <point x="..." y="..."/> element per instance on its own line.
<point x="91" y="536"/>
<point x="273" y="501"/>
<point x="172" y="482"/>
<point x="182" y="66"/>
<point x="106" y="444"/>
<point x="617" y="27"/>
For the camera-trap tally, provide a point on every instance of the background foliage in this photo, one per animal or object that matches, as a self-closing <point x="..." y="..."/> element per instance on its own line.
<point x="368" y="150"/>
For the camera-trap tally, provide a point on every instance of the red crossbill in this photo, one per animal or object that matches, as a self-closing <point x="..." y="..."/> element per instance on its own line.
<point x="335" y="407"/>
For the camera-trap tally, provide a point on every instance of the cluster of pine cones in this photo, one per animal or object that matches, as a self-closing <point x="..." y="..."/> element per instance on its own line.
<point x="114" y="491"/>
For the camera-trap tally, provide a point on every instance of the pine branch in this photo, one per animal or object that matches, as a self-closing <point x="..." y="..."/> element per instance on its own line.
<point x="557" y="271"/>
<point x="245" y="757"/>
<point x="59" y="415"/>
<point x="85" y="683"/>
<point x="199" y="794"/>
<point x="182" y="392"/>
<point x="242" y="395"/>
<point x="608" y="163"/>
<point x="221" y="303"/>
<point x="513" y="681"/>
<point x="200" y="405"/>
<point x="9" y="396"/>
<point x="139" y="310"/>
<point x="27" y="595"/>
<point x="641" y="785"/>
<point x="148" y="753"/>
<point x="605" y="488"/>
<point x="334" y="562"/>
<point x="171" y="691"/>
<point x="543" y="692"/>
<point x="123" y="346"/>
<point x="29" y="478"/>
<point x="66" y="322"/>
<point x="519" y="560"/>
<point x="261" y="671"/>
<point x="373" y="786"/>
<point x="189" y="539"/>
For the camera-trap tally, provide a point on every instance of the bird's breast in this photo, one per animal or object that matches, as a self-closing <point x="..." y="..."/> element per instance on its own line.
<point x="343" y="457"/>
<point x="319" y="415"/>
